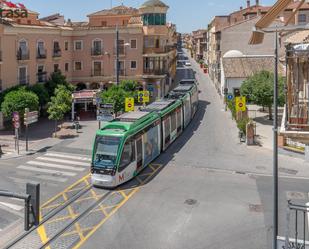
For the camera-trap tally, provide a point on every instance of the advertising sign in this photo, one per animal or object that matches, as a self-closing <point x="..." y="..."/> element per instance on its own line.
<point x="105" y="112"/>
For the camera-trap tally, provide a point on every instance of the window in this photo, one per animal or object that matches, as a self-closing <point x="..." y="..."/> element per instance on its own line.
<point x="56" y="46"/>
<point x="56" y="67"/>
<point x="66" y="67"/>
<point x="78" y="45"/>
<point x="41" y="75"/>
<point x="22" y="75"/>
<point x="23" y="53"/>
<point x="133" y="44"/>
<point x="157" y="43"/>
<point x="97" y="68"/>
<point x="97" y="47"/>
<point x="104" y="23"/>
<point x="66" y="45"/>
<point x="173" y="121"/>
<point x="133" y="64"/>
<point x="302" y="18"/>
<point x="167" y="131"/>
<point x="41" y="50"/>
<point x="121" y="47"/>
<point x="78" y="65"/>
<point x="128" y="155"/>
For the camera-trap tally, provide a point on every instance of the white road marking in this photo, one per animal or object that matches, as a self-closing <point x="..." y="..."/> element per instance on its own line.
<point x="57" y="166"/>
<point x="68" y="156"/>
<point x="62" y="161"/>
<point x="11" y="206"/>
<point x="30" y="168"/>
<point x="52" y="178"/>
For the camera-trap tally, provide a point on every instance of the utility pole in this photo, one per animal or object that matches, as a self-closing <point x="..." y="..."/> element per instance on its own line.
<point x="117" y="55"/>
<point x="275" y="149"/>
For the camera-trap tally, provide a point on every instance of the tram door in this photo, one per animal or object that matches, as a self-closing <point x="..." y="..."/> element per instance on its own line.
<point x="139" y="153"/>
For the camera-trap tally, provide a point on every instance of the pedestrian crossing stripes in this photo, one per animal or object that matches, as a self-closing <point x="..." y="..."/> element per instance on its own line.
<point x="51" y="169"/>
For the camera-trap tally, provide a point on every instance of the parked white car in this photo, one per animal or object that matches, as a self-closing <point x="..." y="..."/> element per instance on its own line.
<point x="188" y="64"/>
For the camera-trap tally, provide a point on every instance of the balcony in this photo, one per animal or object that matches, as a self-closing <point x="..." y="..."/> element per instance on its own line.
<point x="41" y="77"/>
<point x="24" y="80"/>
<point x="155" y="71"/>
<point x="41" y="55"/>
<point x="122" y="51"/>
<point x="57" y="53"/>
<point x="96" y="51"/>
<point x="23" y="55"/>
<point x="96" y="73"/>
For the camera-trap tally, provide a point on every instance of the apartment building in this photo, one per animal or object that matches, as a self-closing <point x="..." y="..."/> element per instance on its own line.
<point x="85" y="52"/>
<point x="232" y="32"/>
<point x="199" y="43"/>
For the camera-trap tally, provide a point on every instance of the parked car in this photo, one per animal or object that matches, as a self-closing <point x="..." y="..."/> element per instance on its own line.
<point x="188" y="63"/>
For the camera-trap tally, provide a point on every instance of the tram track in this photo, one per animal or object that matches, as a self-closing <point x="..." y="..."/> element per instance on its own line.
<point x="74" y="215"/>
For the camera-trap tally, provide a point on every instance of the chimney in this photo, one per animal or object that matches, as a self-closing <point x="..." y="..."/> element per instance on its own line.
<point x="257" y="3"/>
<point x="248" y="3"/>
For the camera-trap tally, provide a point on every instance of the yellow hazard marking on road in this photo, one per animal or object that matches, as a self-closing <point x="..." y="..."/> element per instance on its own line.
<point x="102" y="212"/>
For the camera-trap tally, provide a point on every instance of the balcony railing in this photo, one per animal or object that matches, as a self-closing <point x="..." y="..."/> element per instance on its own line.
<point x="122" y="72"/>
<point x="57" y="53"/>
<point x="96" y="73"/>
<point x="96" y="51"/>
<point x="41" y="77"/>
<point x="155" y="71"/>
<point x="41" y="56"/>
<point x="24" y="80"/>
<point x="122" y="51"/>
<point x="23" y="55"/>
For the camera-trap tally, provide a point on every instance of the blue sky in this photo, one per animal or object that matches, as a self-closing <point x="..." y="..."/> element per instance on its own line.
<point x="187" y="14"/>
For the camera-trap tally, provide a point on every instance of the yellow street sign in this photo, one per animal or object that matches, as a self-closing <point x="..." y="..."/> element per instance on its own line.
<point x="240" y="103"/>
<point x="129" y="107"/>
<point x="143" y="96"/>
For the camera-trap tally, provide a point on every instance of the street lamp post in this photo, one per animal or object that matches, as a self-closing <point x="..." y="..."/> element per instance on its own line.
<point x="275" y="149"/>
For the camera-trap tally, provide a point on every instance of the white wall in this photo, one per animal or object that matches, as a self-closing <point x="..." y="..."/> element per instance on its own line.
<point x="234" y="83"/>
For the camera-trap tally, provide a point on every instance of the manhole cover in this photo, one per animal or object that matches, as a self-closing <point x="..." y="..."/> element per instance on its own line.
<point x="190" y="202"/>
<point x="288" y="171"/>
<point x="255" y="208"/>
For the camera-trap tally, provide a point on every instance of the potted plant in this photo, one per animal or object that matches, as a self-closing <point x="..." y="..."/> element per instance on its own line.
<point x="205" y="68"/>
<point x="201" y="63"/>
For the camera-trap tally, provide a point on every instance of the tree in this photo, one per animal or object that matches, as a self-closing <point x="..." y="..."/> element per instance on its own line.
<point x="41" y="91"/>
<point x="116" y="95"/>
<point x="55" y="79"/>
<point x="18" y="100"/>
<point x="259" y="89"/>
<point x="60" y="104"/>
<point x="6" y="91"/>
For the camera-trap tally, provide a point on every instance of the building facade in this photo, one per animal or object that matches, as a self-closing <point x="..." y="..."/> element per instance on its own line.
<point x="85" y="52"/>
<point x="199" y="44"/>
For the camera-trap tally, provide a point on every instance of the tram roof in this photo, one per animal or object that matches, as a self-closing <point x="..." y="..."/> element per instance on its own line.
<point x="132" y="116"/>
<point x="183" y="88"/>
<point x="159" y="105"/>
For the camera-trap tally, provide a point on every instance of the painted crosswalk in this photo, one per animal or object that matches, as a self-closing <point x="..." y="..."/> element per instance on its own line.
<point x="51" y="169"/>
<point x="8" y="146"/>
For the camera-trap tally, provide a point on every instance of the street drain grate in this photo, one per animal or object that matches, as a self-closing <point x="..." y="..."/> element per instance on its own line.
<point x="191" y="202"/>
<point x="256" y="208"/>
<point x="288" y="171"/>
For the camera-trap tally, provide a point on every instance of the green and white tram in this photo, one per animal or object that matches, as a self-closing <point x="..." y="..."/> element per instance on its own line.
<point x="125" y="146"/>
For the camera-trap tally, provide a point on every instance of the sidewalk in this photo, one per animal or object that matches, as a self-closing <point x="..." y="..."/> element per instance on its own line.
<point x="40" y="139"/>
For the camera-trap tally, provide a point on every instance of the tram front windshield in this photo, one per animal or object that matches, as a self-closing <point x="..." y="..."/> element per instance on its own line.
<point x="106" y="148"/>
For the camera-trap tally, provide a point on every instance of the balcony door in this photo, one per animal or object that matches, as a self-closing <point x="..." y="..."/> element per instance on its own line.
<point x="97" y="68"/>
<point x="22" y="74"/>
<point x="97" y="47"/>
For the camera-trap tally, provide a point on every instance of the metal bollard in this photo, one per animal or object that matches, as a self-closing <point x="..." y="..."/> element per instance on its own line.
<point x="1" y="152"/>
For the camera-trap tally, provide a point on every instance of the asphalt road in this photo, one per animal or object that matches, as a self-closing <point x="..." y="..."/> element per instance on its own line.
<point x="213" y="192"/>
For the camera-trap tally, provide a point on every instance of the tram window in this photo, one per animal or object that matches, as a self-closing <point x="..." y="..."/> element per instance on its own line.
<point x="173" y="121"/>
<point x="167" y="130"/>
<point x="127" y="156"/>
<point x="179" y="120"/>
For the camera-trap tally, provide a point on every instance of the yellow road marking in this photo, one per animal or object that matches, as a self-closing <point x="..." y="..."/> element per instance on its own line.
<point x="43" y="236"/>
<point x="64" y="191"/>
<point x="95" y="228"/>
